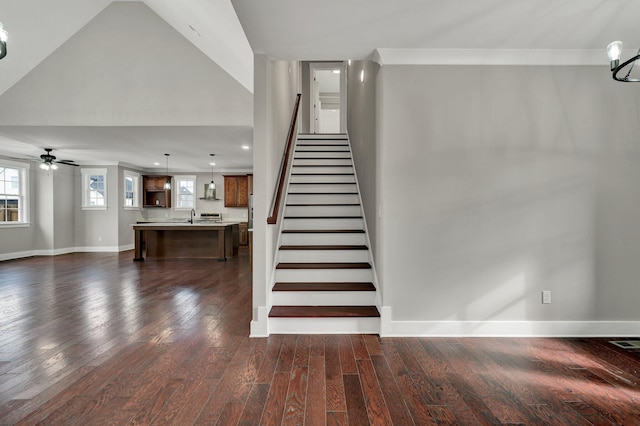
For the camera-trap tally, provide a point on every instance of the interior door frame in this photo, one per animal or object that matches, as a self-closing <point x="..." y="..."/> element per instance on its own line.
<point x="315" y="66"/>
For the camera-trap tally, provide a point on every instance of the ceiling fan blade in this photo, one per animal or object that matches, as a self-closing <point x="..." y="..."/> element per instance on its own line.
<point x="67" y="162"/>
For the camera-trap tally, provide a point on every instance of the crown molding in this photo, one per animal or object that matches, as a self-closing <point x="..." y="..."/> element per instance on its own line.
<point x="559" y="57"/>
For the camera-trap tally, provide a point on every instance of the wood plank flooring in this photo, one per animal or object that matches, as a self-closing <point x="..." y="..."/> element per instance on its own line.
<point x="95" y="339"/>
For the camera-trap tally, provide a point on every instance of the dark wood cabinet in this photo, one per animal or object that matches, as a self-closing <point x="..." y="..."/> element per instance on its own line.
<point x="236" y="191"/>
<point x="244" y="233"/>
<point x="153" y="192"/>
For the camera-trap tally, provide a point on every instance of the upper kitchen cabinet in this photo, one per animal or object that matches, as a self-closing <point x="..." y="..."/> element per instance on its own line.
<point x="153" y="192"/>
<point x="236" y="191"/>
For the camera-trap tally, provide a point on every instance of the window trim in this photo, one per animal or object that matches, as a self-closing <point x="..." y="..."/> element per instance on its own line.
<point x="85" y="188"/>
<point x="137" y="190"/>
<point x="176" y="181"/>
<point x="24" y="169"/>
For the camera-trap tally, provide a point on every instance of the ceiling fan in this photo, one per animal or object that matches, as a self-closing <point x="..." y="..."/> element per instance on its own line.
<point x="49" y="161"/>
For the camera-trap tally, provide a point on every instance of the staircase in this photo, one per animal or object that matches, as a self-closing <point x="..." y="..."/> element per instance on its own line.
<point x="324" y="281"/>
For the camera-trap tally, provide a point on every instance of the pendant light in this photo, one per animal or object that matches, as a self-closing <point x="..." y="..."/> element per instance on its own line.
<point x="167" y="184"/>
<point x="210" y="189"/>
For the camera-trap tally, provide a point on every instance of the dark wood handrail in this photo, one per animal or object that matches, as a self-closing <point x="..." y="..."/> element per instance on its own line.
<point x="284" y="165"/>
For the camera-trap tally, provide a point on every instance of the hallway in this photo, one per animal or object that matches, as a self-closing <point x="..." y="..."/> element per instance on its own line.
<point x="92" y="338"/>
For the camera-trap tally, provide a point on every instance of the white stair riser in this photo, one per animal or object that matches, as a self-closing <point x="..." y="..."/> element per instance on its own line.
<point x="322" y="148"/>
<point x="323" y="255"/>
<point x="311" y="198"/>
<point x="322" y="169"/>
<point x="368" y="325"/>
<point x="323" y="239"/>
<point x="323" y="275"/>
<point x="322" y="211"/>
<point x="301" y="153"/>
<point x="305" y="224"/>
<point x="324" y="298"/>
<point x="323" y="187"/>
<point x="330" y="162"/>
<point x="323" y="178"/>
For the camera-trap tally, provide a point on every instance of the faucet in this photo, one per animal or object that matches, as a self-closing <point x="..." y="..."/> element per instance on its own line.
<point x="192" y="214"/>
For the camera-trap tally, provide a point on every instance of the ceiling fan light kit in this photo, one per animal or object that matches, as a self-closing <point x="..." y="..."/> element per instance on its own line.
<point x="614" y="51"/>
<point x="49" y="161"/>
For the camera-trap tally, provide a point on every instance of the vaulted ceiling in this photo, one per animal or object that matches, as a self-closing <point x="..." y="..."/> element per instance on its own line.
<point x="102" y="81"/>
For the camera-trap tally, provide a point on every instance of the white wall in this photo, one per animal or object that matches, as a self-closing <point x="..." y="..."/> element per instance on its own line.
<point x="496" y="183"/>
<point x="275" y="87"/>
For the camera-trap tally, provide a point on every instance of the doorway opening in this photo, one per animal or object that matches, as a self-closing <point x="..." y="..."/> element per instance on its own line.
<point x="328" y="97"/>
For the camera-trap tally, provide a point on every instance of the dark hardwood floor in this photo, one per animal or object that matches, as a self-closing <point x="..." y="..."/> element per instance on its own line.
<point x="94" y="339"/>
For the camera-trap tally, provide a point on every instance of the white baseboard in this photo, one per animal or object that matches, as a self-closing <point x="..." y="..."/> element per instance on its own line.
<point x="97" y="249"/>
<point x="260" y="325"/>
<point x="17" y="255"/>
<point x="53" y="252"/>
<point x="391" y="328"/>
<point x="66" y="250"/>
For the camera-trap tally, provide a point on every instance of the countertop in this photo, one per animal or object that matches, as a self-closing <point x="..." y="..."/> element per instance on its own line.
<point x="185" y="224"/>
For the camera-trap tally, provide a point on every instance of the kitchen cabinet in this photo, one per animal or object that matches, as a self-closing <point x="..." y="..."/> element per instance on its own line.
<point x="236" y="191"/>
<point x="244" y="233"/>
<point x="153" y="192"/>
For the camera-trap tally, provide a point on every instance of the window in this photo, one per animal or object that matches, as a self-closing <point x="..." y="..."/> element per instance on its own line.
<point x="13" y="193"/>
<point x="94" y="189"/>
<point x="131" y="190"/>
<point x="186" y="192"/>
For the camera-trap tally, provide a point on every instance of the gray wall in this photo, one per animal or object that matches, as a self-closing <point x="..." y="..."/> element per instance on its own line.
<point x="127" y="67"/>
<point x="361" y="121"/>
<point x="498" y="182"/>
<point x="98" y="228"/>
<point x="275" y="89"/>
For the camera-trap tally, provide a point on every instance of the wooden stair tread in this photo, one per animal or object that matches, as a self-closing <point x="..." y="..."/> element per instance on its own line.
<point x="322" y="183"/>
<point x="322" y="158"/>
<point x="322" y="217"/>
<point x="324" y="286"/>
<point x="322" y="174"/>
<point x="322" y="165"/>
<point x="323" y="311"/>
<point x="323" y="193"/>
<point x="322" y="150"/>
<point x="323" y="231"/>
<point x="323" y="265"/>
<point x="323" y="247"/>
<point x="322" y="204"/>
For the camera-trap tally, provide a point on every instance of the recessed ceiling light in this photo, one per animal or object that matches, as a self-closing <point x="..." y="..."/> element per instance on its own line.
<point x="246" y="147"/>
<point x="156" y="164"/>
<point x="336" y="71"/>
<point x="212" y="164"/>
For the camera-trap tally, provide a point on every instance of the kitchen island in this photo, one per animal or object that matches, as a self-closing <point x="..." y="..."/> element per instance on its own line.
<point x="217" y="240"/>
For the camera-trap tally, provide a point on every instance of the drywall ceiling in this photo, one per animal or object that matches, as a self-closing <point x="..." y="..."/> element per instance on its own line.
<point x="338" y="29"/>
<point x="123" y="85"/>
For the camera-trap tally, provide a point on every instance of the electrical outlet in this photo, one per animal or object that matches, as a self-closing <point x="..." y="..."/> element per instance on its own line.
<point x="546" y="296"/>
<point x="99" y="239"/>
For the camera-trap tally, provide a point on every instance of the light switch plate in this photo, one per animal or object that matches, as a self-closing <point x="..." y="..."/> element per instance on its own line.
<point x="546" y="296"/>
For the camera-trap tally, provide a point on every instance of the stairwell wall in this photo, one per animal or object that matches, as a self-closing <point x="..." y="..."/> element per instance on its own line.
<point x="499" y="182"/>
<point x="276" y="84"/>
<point x="361" y="124"/>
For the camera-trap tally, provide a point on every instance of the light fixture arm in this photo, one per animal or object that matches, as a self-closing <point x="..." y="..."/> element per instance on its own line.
<point x="614" y="50"/>
<point x="616" y="68"/>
